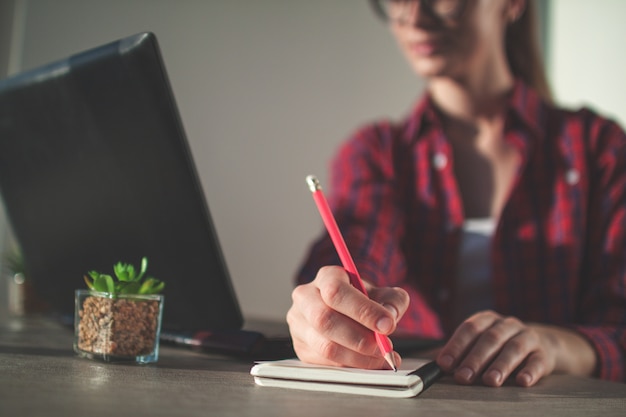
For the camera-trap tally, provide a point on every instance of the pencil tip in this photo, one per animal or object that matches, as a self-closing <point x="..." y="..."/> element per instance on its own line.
<point x="390" y="360"/>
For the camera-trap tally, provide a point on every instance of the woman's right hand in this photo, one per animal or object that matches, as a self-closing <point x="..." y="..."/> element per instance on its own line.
<point x="333" y="323"/>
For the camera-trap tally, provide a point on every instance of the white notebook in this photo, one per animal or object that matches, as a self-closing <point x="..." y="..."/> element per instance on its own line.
<point x="413" y="377"/>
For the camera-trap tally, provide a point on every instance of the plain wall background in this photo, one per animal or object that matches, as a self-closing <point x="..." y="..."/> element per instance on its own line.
<point x="267" y="89"/>
<point x="587" y="55"/>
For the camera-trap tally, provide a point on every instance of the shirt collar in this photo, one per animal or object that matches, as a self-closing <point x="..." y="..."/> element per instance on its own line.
<point x="526" y="112"/>
<point x="423" y="116"/>
<point x="527" y="108"/>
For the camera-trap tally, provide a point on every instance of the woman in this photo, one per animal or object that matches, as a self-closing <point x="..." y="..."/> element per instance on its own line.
<point x="488" y="216"/>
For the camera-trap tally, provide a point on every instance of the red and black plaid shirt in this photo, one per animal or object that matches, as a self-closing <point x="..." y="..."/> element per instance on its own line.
<point x="559" y="250"/>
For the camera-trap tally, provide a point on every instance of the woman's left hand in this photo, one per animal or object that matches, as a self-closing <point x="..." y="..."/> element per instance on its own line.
<point x="491" y="347"/>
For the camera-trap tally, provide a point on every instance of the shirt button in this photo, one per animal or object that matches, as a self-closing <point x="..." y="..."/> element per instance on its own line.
<point x="572" y="177"/>
<point x="440" y="160"/>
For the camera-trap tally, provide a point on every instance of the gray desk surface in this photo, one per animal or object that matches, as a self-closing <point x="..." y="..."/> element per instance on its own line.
<point x="40" y="375"/>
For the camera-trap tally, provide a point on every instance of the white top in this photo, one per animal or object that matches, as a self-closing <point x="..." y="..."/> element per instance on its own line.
<point x="473" y="280"/>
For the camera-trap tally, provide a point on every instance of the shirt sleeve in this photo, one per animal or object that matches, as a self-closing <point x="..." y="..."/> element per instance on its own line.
<point x="604" y="298"/>
<point x="370" y="208"/>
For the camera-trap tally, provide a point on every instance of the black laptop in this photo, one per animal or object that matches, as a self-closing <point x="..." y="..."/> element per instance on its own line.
<point x="95" y="168"/>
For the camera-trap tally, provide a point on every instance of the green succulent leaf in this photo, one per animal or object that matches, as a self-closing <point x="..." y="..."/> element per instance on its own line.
<point x="89" y="282"/>
<point x="129" y="287"/>
<point x="126" y="280"/>
<point x="151" y="286"/>
<point x="124" y="272"/>
<point x="158" y="288"/>
<point x="144" y="267"/>
<point x="104" y="283"/>
<point x="146" y="286"/>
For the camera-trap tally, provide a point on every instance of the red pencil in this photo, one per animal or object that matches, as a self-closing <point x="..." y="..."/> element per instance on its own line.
<point x="346" y="259"/>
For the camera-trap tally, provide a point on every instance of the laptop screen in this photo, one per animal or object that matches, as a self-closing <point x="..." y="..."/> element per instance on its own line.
<point x="95" y="168"/>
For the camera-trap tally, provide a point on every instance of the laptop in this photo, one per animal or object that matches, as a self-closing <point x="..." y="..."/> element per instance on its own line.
<point x="95" y="168"/>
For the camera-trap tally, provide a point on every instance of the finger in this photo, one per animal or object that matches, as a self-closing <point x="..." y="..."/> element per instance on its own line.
<point x="332" y="325"/>
<point x="316" y="348"/>
<point x="536" y="366"/>
<point x="526" y="354"/>
<point x="513" y="353"/>
<point x="486" y="347"/>
<point x="463" y="339"/>
<point x="396" y="300"/>
<point x="338" y="294"/>
<point x="309" y="345"/>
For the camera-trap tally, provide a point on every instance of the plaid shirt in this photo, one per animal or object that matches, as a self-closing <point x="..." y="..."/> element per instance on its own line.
<point x="559" y="250"/>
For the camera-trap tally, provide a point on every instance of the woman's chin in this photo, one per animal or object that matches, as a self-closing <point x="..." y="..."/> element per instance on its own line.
<point x="429" y="72"/>
<point x="428" y="68"/>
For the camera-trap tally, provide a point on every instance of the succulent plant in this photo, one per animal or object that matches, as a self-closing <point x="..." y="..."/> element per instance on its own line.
<point x="125" y="280"/>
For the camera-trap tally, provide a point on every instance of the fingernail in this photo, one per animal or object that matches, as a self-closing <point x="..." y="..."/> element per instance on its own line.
<point x="494" y="376"/>
<point x="384" y="325"/>
<point x="392" y="310"/>
<point x="446" y="361"/>
<point x="465" y="374"/>
<point x="525" y="378"/>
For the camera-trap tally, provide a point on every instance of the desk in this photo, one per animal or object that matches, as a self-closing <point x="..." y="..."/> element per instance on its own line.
<point x="40" y="375"/>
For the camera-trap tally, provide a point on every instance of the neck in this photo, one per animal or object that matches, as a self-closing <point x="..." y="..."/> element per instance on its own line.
<point x="472" y="99"/>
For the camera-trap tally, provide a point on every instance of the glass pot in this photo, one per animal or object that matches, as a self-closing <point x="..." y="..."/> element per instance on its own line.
<point x="121" y="327"/>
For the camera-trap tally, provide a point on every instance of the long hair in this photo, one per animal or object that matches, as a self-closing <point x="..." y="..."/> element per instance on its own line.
<point x="523" y="53"/>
